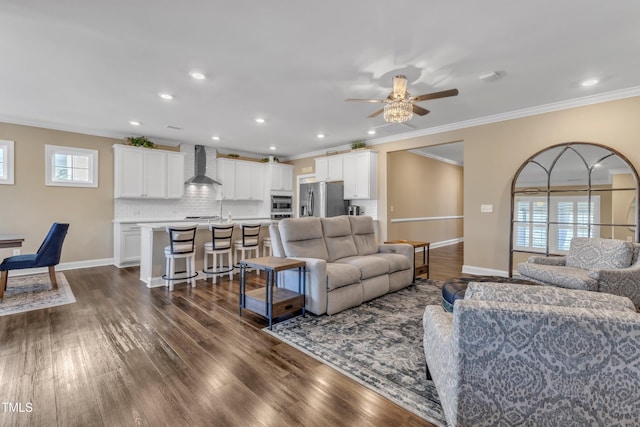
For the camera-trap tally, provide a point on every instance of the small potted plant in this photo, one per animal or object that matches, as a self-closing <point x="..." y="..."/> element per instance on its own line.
<point x="358" y="144"/>
<point x="233" y="155"/>
<point x="140" y="141"/>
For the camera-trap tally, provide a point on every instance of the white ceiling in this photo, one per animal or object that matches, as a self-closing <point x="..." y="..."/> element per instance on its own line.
<point x="92" y="66"/>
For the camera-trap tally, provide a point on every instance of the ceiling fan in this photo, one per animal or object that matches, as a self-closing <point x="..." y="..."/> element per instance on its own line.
<point x="400" y="106"/>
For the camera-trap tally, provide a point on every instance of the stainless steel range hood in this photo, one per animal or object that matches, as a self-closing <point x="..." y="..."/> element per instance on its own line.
<point x="200" y="176"/>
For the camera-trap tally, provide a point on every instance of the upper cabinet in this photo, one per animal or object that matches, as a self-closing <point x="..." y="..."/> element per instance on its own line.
<point x="241" y="180"/>
<point x="329" y="168"/>
<point x="148" y="173"/>
<point x="281" y="177"/>
<point x="360" y="175"/>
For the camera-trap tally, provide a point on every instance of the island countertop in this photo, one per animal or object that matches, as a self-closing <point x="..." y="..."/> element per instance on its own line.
<point x="202" y="224"/>
<point x="154" y="238"/>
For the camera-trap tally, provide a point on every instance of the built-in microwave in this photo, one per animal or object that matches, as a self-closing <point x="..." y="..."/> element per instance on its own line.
<point x="281" y="203"/>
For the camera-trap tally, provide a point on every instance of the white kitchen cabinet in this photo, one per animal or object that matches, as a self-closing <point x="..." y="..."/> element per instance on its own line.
<point x="360" y="175"/>
<point x="240" y="180"/>
<point x="147" y="173"/>
<point x="281" y="177"/>
<point x="329" y="168"/>
<point x="175" y="175"/>
<point x="249" y="181"/>
<point x="126" y="239"/>
<point x="226" y="174"/>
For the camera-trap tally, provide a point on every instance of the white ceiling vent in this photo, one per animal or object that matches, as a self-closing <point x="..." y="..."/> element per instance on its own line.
<point x="393" y="128"/>
<point x="491" y="77"/>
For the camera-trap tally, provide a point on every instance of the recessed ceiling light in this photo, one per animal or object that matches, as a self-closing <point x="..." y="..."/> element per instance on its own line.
<point x="134" y="123"/>
<point x="259" y="120"/>
<point x="273" y="147"/>
<point x="372" y="132"/>
<point x="215" y="138"/>
<point x="321" y="135"/>
<point x="589" y="82"/>
<point x="197" y="75"/>
<point x="166" y="96"/>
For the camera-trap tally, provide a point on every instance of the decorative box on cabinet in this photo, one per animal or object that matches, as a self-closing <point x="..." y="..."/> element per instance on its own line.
<point x="147" y="173"/>
<point x="329" y="168"/>
<point x="360" y="175"/>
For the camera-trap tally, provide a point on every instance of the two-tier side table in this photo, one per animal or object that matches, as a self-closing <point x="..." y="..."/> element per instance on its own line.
<point x="272" y="301"/>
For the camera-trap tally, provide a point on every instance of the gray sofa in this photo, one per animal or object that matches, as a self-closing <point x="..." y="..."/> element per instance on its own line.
<point x="592" y="264"/>
<point x="535" y="355"/>
<point x="344" y="263"/>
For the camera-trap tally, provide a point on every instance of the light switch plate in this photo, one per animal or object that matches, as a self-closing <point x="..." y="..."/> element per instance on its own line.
<point x="486" y="208"/>
<point x="16" y="252"/>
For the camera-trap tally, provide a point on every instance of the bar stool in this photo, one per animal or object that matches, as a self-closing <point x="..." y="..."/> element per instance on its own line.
<point x="266" y="246"/>
<point x="249" y="243"/>
<point x="182" y="245"/>
<point x="219" y="246"/>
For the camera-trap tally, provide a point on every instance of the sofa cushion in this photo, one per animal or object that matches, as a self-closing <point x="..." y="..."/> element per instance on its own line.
<point x="598" y="254"/>
<point x="369" y="266"/>
<point x="397" y="262"/>
<point x="363" y="234"/>
<point x="338" y="238"/>
<point x="565" y="277"/>
<point x="302" y="237"/>
<point x="339" y="275"/>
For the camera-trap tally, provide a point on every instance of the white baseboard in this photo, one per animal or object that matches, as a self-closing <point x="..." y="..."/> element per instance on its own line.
<point x="64" y="266"/>
<point x="443" y="243"/>
<point x="481" y="271"/>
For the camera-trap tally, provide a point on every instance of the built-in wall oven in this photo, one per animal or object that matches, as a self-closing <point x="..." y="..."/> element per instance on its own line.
<point x="281" y="206"/>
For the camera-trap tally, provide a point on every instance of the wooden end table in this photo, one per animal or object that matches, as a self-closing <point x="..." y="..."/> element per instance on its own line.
<point x="272" y="301"/>
<point x="11" y="240"/>
<point x="418" y="269"/>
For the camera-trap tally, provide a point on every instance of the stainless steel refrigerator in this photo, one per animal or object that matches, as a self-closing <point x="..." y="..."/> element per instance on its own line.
<point x="322" y="199"/>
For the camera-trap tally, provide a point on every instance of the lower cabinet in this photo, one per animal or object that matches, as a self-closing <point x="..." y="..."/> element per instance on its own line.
<point x="126" y="244"/>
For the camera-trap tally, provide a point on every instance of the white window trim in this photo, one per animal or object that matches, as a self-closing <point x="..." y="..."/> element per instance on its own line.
<point x="8" y="147"/>
<point x="52" y="150"/>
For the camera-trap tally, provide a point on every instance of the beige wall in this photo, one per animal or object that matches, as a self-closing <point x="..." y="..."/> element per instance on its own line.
<point x="29" y="207"/>
<point x="422" y="187"/>
<point x="494" y="152"/>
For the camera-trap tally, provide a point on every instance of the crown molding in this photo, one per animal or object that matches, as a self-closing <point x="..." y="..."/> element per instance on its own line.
<point x="516" y="114"/>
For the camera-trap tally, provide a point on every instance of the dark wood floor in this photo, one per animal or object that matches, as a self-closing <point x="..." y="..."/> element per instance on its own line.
<point x="127" y="355"/>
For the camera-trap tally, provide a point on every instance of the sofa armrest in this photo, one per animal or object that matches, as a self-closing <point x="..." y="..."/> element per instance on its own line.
<point x="623" y="281"/>
<point x="546" y="295"/>
<point x="398" y="248"/>
<point x="438" y="352"/>
<point x="316" y="284"/>
<point x="547" y="260"/>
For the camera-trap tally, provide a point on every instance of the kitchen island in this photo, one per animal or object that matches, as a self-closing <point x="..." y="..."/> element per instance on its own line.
<point x="154" y="238"/>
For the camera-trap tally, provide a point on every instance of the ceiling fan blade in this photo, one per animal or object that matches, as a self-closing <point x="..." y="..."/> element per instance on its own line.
<point x="377" y="113"/>
<point x="363" y="100"/>
<point x="419" y="110"/>
<point x="435" y="95"/>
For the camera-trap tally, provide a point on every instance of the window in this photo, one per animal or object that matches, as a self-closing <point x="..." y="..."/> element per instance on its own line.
<point x="71" y="167"/>
<point x="6" y="162"/>
<point x="569" y="216"/>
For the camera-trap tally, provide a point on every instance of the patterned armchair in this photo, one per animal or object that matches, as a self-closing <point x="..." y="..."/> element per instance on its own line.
<point x="532" y="355"/>
<point x="592" y="264"/>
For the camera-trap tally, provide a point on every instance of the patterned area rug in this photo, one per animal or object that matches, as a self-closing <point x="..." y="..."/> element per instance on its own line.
<point x="379" y="344"/>
<point x="33" y="292"/>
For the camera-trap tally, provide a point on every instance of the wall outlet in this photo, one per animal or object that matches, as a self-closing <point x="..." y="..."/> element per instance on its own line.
<point x="486" y="208"/>
<point x="16" y="252"/>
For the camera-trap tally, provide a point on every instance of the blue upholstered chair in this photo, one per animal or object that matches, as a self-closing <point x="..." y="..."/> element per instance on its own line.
<point x="47" y="256"/>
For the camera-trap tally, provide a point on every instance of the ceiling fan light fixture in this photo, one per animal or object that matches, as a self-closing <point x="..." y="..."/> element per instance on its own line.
<point x="398" y="111"/>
